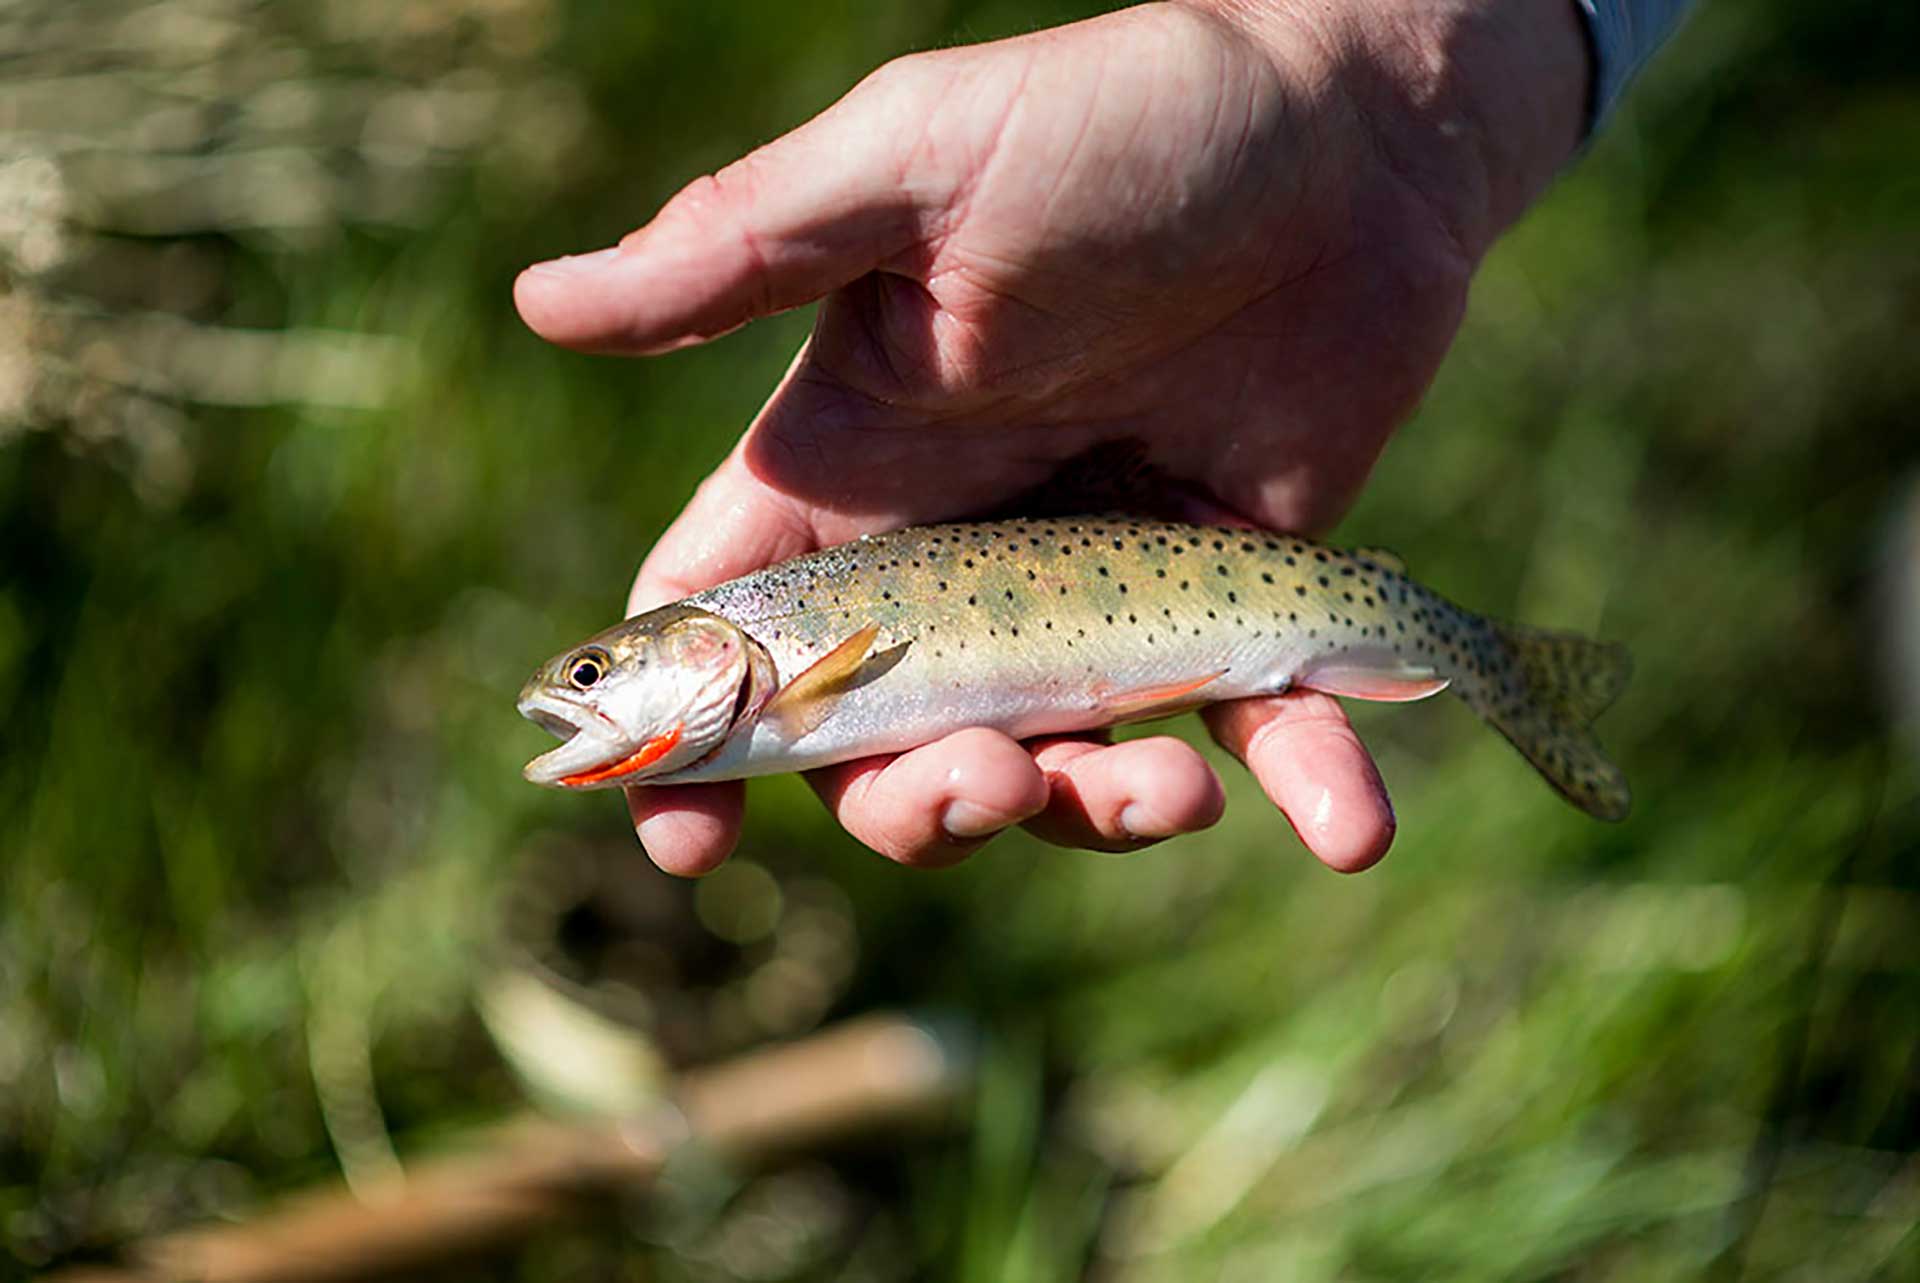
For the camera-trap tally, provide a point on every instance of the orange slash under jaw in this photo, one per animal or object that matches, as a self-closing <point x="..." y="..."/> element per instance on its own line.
<point x="647" y="754"/>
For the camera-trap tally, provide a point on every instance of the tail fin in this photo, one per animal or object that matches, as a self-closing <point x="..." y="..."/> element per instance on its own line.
<point x="1544" y="701"/>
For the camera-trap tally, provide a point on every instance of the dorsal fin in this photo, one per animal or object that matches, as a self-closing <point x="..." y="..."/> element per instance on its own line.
<point x="1385" y="558"/>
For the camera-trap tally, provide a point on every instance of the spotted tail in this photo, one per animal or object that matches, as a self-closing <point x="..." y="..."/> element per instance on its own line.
<point x="1544" y="698"/>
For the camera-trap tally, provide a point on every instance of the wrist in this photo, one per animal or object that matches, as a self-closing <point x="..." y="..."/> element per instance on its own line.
<point x="1476" y="104"/>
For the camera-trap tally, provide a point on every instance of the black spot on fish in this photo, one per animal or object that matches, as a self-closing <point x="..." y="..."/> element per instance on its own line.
<point x="1266" y="577"/>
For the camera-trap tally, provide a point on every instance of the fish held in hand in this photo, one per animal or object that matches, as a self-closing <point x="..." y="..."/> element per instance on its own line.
<point x="1043" y="627"/>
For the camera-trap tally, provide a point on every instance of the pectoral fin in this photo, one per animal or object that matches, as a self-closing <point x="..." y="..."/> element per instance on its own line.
<point x="1143" y="702"/>
<point x="1386" y="683"/>
<point x="802" y="704"/>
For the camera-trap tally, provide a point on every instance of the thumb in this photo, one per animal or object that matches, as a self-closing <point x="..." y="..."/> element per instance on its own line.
<point x="780" y="227"/>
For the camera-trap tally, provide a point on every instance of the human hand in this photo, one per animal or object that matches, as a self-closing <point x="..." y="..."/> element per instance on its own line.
<point x="1238" y="236"/>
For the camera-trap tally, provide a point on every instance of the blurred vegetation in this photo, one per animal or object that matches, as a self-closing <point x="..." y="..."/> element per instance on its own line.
<point x="289" y="502"/>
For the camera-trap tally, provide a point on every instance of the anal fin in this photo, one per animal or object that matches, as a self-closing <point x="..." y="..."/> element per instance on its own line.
<point x="1383" y="683"/>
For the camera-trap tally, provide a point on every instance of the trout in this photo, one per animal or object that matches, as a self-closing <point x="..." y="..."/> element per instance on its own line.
<point x="1041" y="627"/>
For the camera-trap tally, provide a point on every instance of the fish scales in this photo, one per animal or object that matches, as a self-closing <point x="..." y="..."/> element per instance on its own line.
<point x="1044" y="626"/>
<point x="1033" y="626"/>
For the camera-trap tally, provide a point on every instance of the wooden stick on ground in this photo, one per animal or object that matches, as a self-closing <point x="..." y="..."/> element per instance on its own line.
<point x="510" y="1179"/>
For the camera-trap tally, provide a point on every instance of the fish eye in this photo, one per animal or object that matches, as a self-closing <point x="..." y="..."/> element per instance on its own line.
<point x="586" y="668"/>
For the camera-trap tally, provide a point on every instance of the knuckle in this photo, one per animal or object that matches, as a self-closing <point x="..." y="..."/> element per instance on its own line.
<point x="895" y="76"/>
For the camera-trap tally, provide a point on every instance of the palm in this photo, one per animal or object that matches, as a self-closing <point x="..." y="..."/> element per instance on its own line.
<point x="1260" y="336"/>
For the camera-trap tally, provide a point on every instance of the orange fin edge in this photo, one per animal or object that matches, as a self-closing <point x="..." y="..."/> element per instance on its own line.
<point x="1149" y="701"/>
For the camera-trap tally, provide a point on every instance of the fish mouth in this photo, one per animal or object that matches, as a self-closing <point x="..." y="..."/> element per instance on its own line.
<point x="591" y="740"/>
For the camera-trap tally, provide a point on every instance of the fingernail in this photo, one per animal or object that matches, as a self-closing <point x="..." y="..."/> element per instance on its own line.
<point x="577" y="264"/>
<point x="968" y="821"/>
<point x="1141" y="824"/>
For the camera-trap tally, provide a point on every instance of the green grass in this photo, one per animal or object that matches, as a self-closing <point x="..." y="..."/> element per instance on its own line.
<point x="259" y="791"/>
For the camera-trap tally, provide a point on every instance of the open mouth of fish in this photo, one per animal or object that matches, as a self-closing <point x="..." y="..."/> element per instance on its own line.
<point x="597" y="753"/>
<point x="594" y="749"/>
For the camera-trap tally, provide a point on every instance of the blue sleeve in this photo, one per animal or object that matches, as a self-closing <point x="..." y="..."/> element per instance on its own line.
<point x="1625" y="34"/>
